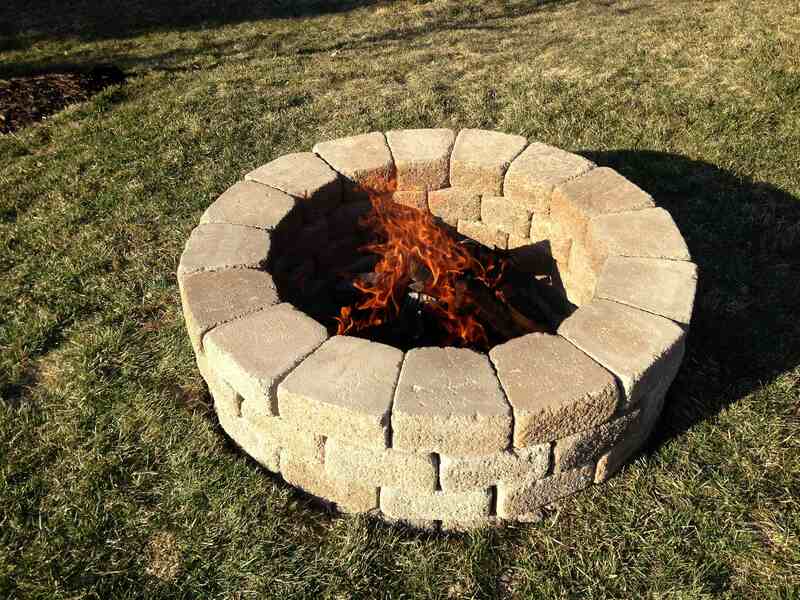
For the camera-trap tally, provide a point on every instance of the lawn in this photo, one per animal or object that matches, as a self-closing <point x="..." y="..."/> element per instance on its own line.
<point x="116" y="480"/>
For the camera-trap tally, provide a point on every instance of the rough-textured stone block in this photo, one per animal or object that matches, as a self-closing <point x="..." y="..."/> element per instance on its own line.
<point x="555" y="389"/>
<point x="382" y="468"/>
<point x="400" y="503"/>
<point x="413" y="199"/>
<point x="648" y="233"/>
<point x="215" y="297"/>
<point x="469" y="473"/>
<point x="218" y="246"/>
<point x="302" y="442"/>
<point x="530" y="496"/>
<point x="532" y="176"/>
<point x="343" y="389"/>
<point x="421" y="157"/>
<point x="252" y="204"/>
<point x="663" y="287"/>
<point x="480" y="159"/>
<point x="225" y="397"/>
<point x="581" y="279"/>
<point x="546" y="229"/>
<point x="501" y="213"/>
<point x="598" y="192"/>
<point x="452" y="204"/>
<point x="364" y="161"/>
<point x="448" y="400"/>
<point x="263" y="450"/>
<point x="306" y="177"/>
<point x="640" y="348"/>
<point x="482" y="233"/>
<point x="587" y="446"/>
<point x="255" y="352"/>
<point x="349" y="496"/>
<point x="639" y="430"/>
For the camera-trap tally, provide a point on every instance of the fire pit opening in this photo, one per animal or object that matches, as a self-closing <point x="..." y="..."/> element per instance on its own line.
<point x="513" y="316"/>
<point x="396" y="274"/>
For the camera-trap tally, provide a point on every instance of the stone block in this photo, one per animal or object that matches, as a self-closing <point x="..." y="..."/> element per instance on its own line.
<point x="588" y="446"/>
<point x="663" y="287"/>
<point x="452" y="204"/>
<point x="532" y="176"/>
<point x="640" y="348"/>
<point x="448" y="400"/>
<point x="225" y="397"/>
<point x="501" y="213"/>
<point x="303" y="443"/>
<point x="461" y="473"/>
<point x="347" y="460"/>
<point x="648" y="233"/>
<point x="598" y="192"/>
<point x="480" y="159"/>
<point x="544" y="229"/>
<point x="263" y="450"/>
<point x="306" y="177"/>
<point x="581" y="279"/>
<point x="482" y="233"/>
<point x="343" y="389"/>
<point x="399" y="503"/>
<point x="364" y="161"/>
<point x="255" y="205"/>
<point x="349" y="496"/>
<point x="555" y="389"/>
<point x="530" y="496"/>
<point x="210" y="298"/>
<point x="412" y="199"/>
<point x="218" y="246"/>
<point x="421" y="157"/>
<point x="255" y="352"/>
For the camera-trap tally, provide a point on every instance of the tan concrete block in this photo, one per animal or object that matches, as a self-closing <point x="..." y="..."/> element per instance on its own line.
<point x="663" y="287"/>
<point x="555" y="389"/>
<point x="421" y="157"/>
<point x="263" y="450"/>
<point x="253" y="204"/>
<point x="532" y="176"/>
<point x="255" y="352"/>
<point x="343" y="389"/>
<point x="452" y="204"/>
<point x="218" y="246"/>
<point x="546" y="229"/>
<point x="364" y="161"/>
<point x="649" y="233"/>
<point x="349" y="496"/>
<point x="581" y="280"/>
<point x="460" y="473"/>
<point x="588" y="446"/>
<point x="400" y="503"/>
<point x="302" y="442"/>
<point x="480" y="159"/>
<point x="501" y="213"/>
<point x="306" y="177"/>
<point x="412" y="199"/>
<point x="527" y="498"/>
<point x="213" y="297"/>
<point x="483" y="234"/>
<point x="640" y="348"/>
<point x="598" y="192"/>
<point x="225" y="397"/>
<point x="381" y="468"/>
<point x="448" y="400"/>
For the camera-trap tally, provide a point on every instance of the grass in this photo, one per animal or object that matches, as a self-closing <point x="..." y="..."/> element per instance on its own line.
<point x="116" y="481"/>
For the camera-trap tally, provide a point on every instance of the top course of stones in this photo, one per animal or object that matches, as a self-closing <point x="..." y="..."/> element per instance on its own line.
<point x="442" y="436"/>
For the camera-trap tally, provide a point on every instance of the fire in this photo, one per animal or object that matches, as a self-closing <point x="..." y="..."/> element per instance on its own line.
<point x="415" y="254"/>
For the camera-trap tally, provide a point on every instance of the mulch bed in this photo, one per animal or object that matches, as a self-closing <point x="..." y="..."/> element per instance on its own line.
<point x="24" y="100"/>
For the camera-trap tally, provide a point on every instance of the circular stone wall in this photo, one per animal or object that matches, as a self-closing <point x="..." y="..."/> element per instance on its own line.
<point x="440" y="437"/>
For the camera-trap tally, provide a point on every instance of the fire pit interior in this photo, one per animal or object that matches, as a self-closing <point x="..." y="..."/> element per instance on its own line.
<point x="445" y="330"/>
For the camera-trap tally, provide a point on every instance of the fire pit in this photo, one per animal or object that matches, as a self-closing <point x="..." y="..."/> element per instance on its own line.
<point x="514" y="316"/>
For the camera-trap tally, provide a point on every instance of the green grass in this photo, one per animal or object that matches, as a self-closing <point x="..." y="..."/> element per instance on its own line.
<point x="116" y="481"/>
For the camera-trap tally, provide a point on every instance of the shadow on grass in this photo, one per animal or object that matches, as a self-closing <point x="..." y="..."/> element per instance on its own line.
<point x="745" y="238"/>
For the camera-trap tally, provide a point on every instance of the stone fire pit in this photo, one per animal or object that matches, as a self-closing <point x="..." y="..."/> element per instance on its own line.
<point x="434" y="436"/>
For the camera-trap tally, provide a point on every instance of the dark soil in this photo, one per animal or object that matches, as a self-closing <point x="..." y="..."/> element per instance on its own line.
<point x="25" y="100"/>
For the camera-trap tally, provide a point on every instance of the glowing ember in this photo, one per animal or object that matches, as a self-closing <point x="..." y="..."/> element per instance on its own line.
<point x="416" y="255"/>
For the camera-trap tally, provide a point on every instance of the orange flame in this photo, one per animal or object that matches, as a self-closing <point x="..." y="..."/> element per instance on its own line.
<point x="417" y="250"/>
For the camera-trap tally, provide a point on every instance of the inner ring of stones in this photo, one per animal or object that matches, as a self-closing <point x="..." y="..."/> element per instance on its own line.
<point x="440" y="437"/>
